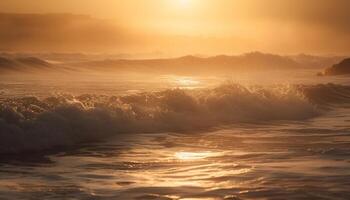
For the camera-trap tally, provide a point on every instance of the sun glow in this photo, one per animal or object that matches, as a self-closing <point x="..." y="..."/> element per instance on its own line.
<point x="184" y="3"/>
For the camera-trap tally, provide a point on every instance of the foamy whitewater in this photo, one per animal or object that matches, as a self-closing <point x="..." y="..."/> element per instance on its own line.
<point x="175" y="138"/>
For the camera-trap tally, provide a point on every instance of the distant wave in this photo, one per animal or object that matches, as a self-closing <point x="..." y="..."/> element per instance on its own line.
<point x="22" y="63"/>
<point x="32" y="124"/>
<point x="326" y="94"/>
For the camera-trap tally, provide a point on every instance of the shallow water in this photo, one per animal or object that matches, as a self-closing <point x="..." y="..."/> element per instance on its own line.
<point x="306" y="158"/>
<point x="293" y="161"/>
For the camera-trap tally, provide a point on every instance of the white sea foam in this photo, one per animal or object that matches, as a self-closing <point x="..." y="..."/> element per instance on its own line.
<point x="32" y="124"/>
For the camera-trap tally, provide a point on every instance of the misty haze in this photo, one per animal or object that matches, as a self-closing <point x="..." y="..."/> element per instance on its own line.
<point x="174" y="99"/>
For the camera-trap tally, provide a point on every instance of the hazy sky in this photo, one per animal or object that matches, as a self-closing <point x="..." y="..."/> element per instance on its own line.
<point x="176" y="26"/>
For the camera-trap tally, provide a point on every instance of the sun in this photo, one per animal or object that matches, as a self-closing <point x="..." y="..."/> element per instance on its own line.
<point x="184" y="3"/>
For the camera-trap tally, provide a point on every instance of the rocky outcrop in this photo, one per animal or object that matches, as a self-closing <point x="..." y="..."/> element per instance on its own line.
<point x="341" y="68"/>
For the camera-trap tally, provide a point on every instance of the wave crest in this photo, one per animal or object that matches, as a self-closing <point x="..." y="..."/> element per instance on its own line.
<point x="32" y="124"/>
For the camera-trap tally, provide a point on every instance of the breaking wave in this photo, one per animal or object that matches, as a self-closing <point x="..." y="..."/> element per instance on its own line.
<point x="33" y="124"/>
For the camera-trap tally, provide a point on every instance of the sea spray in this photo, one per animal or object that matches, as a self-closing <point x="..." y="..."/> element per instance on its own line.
<point x="33" y="124"/>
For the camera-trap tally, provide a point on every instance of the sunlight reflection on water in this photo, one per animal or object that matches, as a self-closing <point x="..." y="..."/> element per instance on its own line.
<point x="186" y="81"/>
<point x="194" y="155"/>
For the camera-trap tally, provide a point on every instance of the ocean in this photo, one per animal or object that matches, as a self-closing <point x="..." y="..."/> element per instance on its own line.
<point x="173" y="137"/>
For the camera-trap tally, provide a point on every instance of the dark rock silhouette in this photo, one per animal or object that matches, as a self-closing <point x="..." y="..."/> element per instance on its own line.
<point x="341" y="68"/>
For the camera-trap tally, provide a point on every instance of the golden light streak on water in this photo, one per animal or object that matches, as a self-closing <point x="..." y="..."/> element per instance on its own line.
<point x="186" y="81"/>
<point x="193" y="155"/>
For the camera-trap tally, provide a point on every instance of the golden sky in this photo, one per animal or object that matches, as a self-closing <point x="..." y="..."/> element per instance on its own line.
<point x="176" y="27"/>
